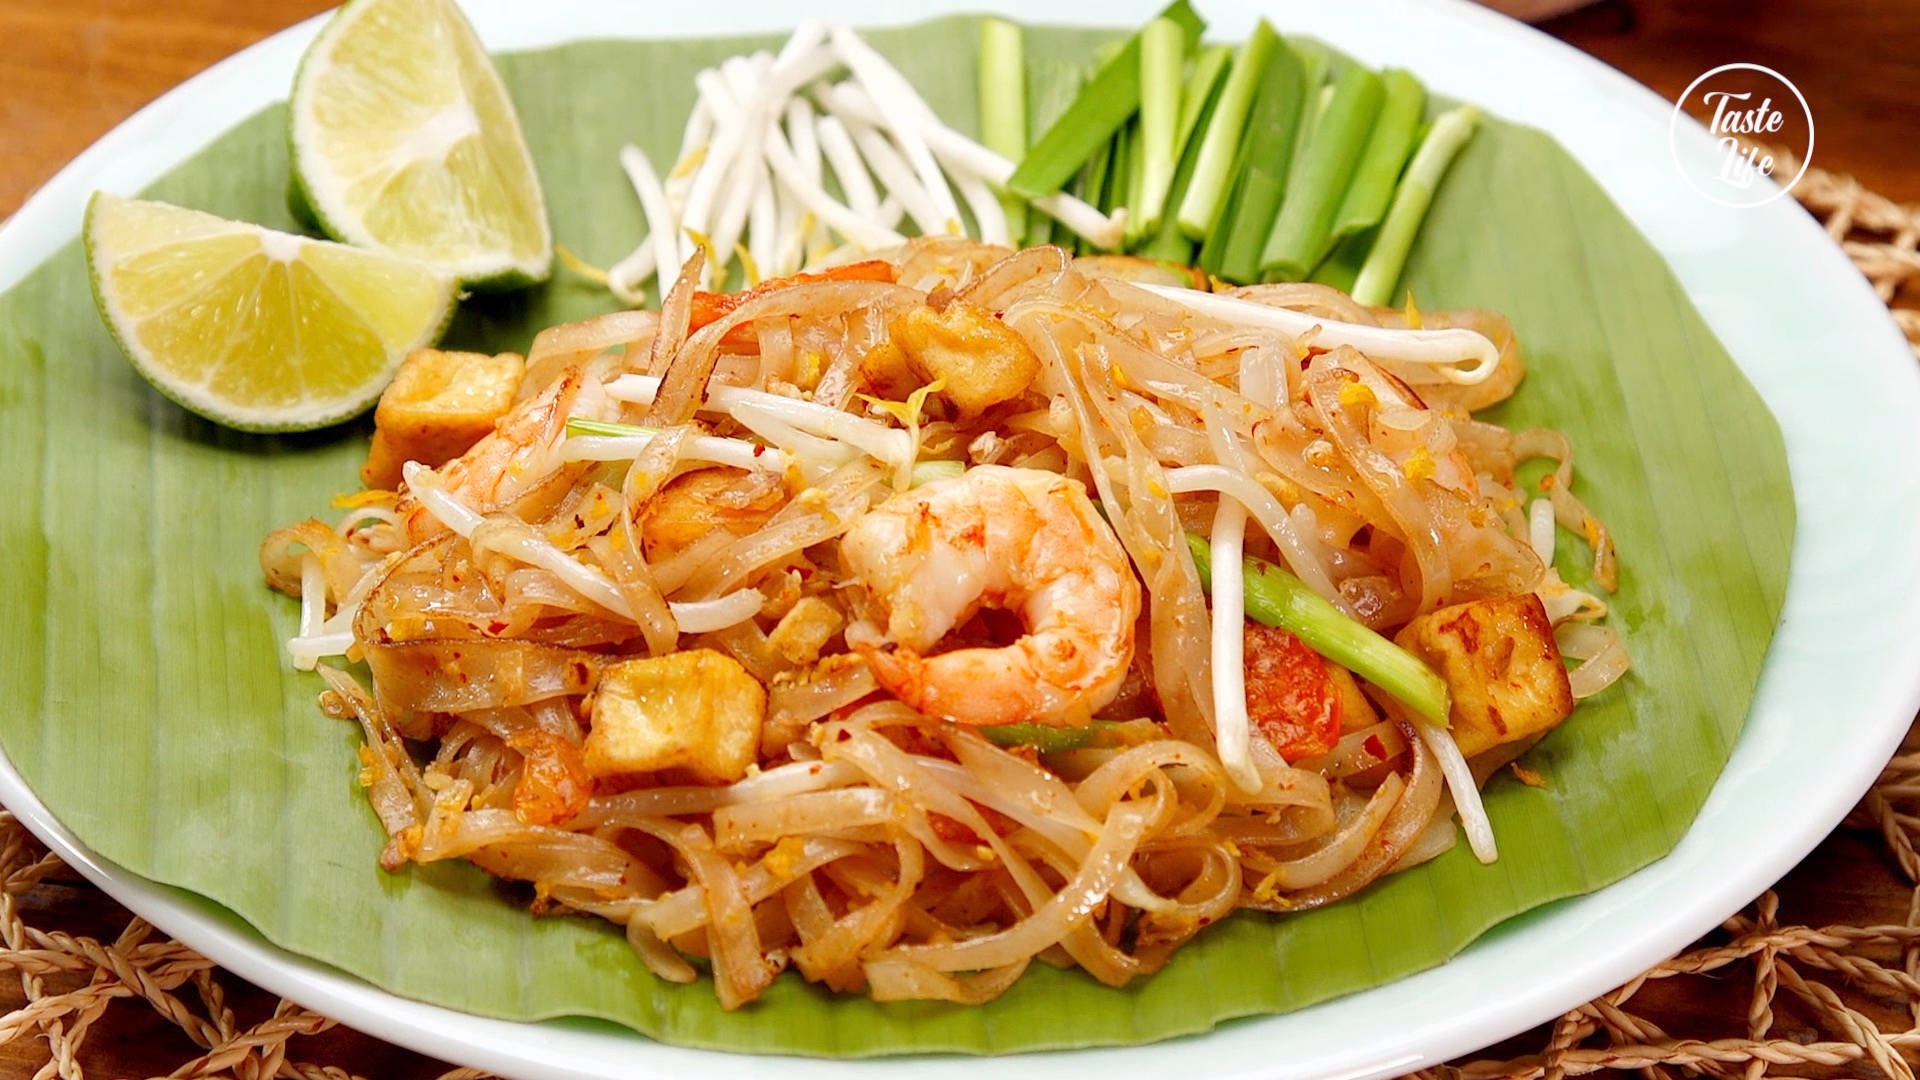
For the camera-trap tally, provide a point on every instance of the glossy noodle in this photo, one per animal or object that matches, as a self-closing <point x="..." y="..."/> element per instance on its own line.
<point x="860" y="623"/>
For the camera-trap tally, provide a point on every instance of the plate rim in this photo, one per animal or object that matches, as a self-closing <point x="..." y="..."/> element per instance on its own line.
<point x="162" y="133"/>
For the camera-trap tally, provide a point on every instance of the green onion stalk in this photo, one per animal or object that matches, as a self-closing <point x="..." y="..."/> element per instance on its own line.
<point x="1303" y="232"/>
<point x="1381" y="272"/>
<point x="1277" y="598"/>
<point x="1291" y="81"/>
<point x="1105" y="104"/>
<point x="1213" y="173"/>
<point x="1003" y="104"/>
<point x="1375" y="178"/>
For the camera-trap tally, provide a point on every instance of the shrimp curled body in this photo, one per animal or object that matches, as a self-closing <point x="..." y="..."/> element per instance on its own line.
<point x="514" y="467"/>
<point x="1023" y="540"/>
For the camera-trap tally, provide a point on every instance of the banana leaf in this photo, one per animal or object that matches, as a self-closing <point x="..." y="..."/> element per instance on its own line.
<point x="154" y="712"/>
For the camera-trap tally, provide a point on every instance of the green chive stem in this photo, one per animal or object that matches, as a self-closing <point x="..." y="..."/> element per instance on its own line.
<point x="606" y="428"/>
<point x="1277" y="598"/>
<point x="1091" y="186"/>
<point x="1278" y="107"/>
<point x="1106" y="103"/>
<point x="1315" y="91"/>
<point x="1381" y="272"/>
<point x="1003" y="104"/>
<point x="930" y="470"/>
<point x="1303" y="231"/>
<point x="1051" y="101"/>
<point x="1401" y="109"/>
<point x="1162" y="55"/>
<point x="1044" y="738"/>
<point x="1209" y="65"/>
<point x="1213" y="175"/>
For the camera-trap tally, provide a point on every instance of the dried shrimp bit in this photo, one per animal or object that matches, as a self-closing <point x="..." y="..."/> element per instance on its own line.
<point x="554" y="786"/>
<point x="695" y="504"/>
<point x="1022" y="540"/>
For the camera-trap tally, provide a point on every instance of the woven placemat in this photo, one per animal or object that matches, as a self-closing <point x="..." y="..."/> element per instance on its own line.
<point x="1828" y="1000"/>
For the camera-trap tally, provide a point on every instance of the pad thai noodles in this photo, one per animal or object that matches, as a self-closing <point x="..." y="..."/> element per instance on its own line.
<point x="910" y="620"/>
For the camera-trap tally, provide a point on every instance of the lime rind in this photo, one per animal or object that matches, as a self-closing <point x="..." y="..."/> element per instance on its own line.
<point x="319" y="190"/>
<point x="305" y="414"/>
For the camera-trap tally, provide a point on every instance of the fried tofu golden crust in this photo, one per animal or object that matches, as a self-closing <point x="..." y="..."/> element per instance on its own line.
<point x="438" y="405"/>
<point x="981" y="360"/>
<point x="1501" y="664"/>
<point x="696" y="710"/>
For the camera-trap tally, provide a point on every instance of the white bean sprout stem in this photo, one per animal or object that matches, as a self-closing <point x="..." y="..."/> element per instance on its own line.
<point x="515" y="538"/>
<point x="1461" y="356"/>
<point x="1233" y="735"/>
<point x="835" y="215"/>
<point x="966" y="156"/>
<point x="899" y="103"/>
<point x="757" y="407"/>
<point x="895" y="172"/>
<point x="663" y="230"/>
<point x="1269" y="513"/>
<point x="852" y="172"/>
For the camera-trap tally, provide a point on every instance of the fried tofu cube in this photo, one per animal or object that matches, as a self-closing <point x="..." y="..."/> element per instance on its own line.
<point x="805" y="629"/>
<point x="982" y="360"/>
<point x="696" y="710"/>
<point x="438" y="405"/>
<point x="1499" y="660"/>
<point x="885" y="373"/>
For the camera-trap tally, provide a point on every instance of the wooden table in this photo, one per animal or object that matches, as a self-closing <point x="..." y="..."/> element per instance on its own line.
<point x="73" y="69"/>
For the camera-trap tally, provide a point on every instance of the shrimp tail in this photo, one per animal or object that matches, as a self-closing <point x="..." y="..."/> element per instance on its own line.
<point x="900" y="670"/>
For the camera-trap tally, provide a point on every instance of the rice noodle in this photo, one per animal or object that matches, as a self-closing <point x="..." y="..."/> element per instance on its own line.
<point x="1268" y="512"/>
<point x="1603" y="656"/>
<point x="1568" y="510"/>
<point x="1462" y="357"/>
<point x="647" y="672"/>
<point x="513" y="538"/>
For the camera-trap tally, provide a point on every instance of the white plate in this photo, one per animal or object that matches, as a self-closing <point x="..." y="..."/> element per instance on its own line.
<point x="1840" y="683"/>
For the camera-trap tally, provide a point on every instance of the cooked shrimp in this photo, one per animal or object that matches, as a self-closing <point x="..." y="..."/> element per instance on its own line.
<point x="514" y="466"/>
<point x="1019" y="539"/>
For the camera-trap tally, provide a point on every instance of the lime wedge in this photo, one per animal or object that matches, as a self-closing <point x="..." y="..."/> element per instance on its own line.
<point x="251" y="328"/>
<point x="404" y="140"/>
